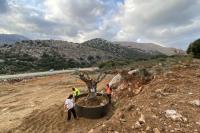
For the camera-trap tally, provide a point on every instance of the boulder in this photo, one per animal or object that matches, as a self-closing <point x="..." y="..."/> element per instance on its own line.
<point x="115" y="81"/>
<point x="195" y="102"/>
<point x="172" y="114"/>
<point x="156" y="130"/>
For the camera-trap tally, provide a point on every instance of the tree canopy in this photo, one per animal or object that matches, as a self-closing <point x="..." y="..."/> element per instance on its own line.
<point x="194" y="49"/>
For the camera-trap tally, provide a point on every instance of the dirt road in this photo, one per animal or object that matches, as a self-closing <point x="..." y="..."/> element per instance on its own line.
<point x="39" y="74"/>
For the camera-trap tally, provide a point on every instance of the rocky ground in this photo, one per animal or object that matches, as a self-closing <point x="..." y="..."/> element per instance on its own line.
<point x="167" y="103"/>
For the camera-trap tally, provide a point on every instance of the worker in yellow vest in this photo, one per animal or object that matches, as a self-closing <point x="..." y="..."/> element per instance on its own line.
<point x="76" y="92"/>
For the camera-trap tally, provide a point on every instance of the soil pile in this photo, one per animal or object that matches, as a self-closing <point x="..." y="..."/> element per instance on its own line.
<point x="166" y="104"/>
<point x="99" y="100"/>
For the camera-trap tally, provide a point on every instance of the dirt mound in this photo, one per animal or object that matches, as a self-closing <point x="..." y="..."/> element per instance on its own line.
<point x="53" y="120"/>
<point x="50" y="120"/>
<point x="131" y="84"/>
<point x="163" y="106"/>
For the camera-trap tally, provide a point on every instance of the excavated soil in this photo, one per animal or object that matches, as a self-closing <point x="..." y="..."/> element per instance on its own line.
<point x="36" y="105"/>
<point x="99" y="100"/>
<point x="146" y="112"/>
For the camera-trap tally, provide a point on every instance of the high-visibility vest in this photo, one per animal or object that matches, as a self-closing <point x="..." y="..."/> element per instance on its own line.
<point x="76" y="92"/>
<point x="108" y="90"/>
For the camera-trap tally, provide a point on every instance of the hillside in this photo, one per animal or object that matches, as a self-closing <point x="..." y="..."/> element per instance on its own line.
<point x="40" y="55"/>
<point x="116" y="49"/>
<point x="152" y="48"/>
<point x="11" y="38"/>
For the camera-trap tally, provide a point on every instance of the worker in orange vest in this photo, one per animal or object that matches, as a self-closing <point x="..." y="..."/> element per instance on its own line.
<point x="108" y="92"/>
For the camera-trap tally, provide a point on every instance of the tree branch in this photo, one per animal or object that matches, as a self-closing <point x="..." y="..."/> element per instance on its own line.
<point x="85" y="77"/>
<point x="100" y="77"/>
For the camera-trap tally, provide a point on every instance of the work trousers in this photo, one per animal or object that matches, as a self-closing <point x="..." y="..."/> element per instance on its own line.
<point x="109" y="97"/>
<point x="71" y="111"/>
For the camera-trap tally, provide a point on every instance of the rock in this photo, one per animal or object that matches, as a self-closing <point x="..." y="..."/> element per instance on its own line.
<point x="142" y="119"/>
<point x="121" y="115"/>
<point x="172" y="131"/>
<point x="130" y="107"/>
<point x="148" y="128"/>
<point x="195" y="102"/>
<point x="133" y="71"/>
<point x="156" y="130"/>
<point x="98" y="124"/>
<point x="123" y="120"/>
<point x="137" y="125"/>
<point x="115" y="81"/>
<point x="184" y="119"/>
<point x="158" y="90"/>
<point x="101" y="104"/>
<point x="173" y="115"/>
<point x="91" y="131"/>
<point x="110" y="129"/>
<point x="154" y="116"/>
<point x="177" y="129"/>
<point x="137" y="91"/>
<point x="137" y="109"/>
<point x="198" y="123"/>
<point x="190" y="93"/>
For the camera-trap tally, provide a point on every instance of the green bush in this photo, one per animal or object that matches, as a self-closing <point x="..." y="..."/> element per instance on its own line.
<point x="113" y="64"/>
<point x="194" y="49"/>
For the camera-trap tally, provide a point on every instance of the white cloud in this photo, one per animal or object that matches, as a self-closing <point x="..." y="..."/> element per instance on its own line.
<point x="165" y="22"/>
<point x="172" y="22"/>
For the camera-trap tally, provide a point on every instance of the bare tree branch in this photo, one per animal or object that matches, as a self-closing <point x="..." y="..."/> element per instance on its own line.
<point x="87" y="75"/>
<point x="91" y="83"/>
<point x="100" y="77"/>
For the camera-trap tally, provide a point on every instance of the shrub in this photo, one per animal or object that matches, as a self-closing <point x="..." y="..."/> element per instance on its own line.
<point x="194" y="49"/>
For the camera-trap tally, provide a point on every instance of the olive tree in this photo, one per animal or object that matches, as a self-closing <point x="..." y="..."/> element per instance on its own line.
<point x="91" y="83"/>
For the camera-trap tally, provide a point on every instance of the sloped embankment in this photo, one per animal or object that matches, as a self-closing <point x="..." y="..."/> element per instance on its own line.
<point x="169" y="103"/>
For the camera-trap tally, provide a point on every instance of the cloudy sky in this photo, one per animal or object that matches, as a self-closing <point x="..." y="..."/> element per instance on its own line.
<point x="172" y="23"/>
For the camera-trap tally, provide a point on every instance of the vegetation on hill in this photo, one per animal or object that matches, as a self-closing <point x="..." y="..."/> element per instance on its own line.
<point x="163" y="61"/>
<point x="194" y="49"/>
<point x="118" y="50"/>
<point x="44" y="55"/>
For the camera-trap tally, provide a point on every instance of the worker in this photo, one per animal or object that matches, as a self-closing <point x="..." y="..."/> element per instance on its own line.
<point x="108" y="92"/>
<point x="76" y="92"/>
<point x="69" y="107"/>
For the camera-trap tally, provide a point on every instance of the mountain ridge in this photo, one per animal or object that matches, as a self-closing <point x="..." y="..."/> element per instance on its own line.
<point x="11" y="38"/>
<point x="151" y="47"/>
<point x="42" y="55"/>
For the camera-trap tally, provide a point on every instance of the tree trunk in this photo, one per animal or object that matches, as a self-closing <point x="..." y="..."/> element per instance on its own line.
<point x="92" y="89"/>
<point x="91" y="84"/>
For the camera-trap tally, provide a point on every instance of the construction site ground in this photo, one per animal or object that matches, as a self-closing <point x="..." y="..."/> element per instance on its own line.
<point x="36" y="105"/>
